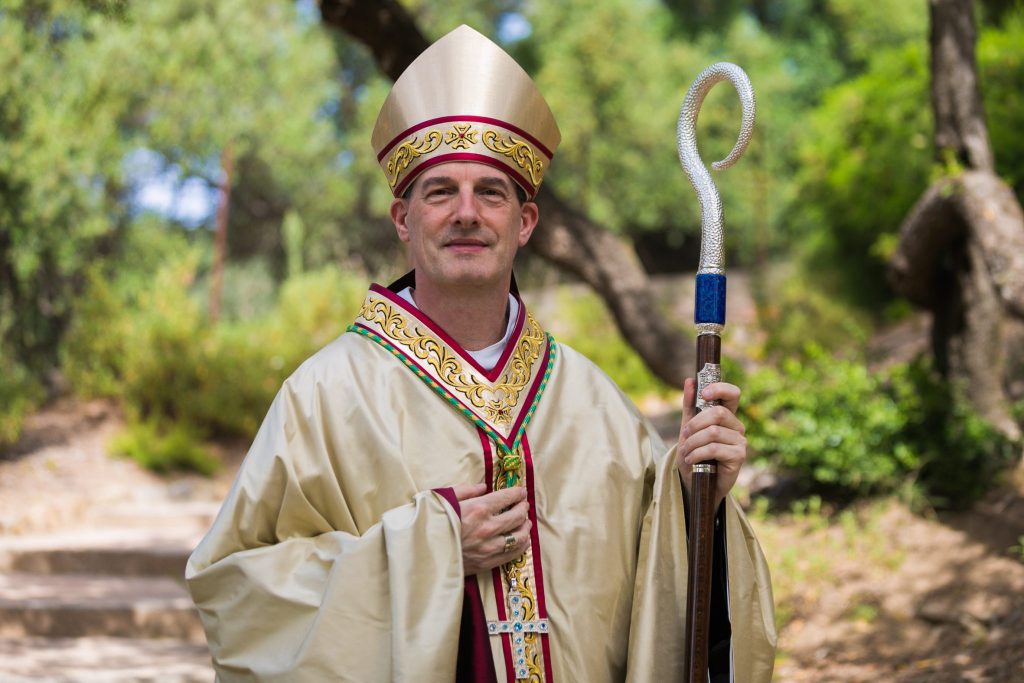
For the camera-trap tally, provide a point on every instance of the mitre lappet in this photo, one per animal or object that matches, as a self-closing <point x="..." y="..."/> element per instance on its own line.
<point x="465" y="99"/>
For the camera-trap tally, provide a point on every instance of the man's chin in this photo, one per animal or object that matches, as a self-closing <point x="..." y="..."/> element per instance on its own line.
<point x="461" y="279"/>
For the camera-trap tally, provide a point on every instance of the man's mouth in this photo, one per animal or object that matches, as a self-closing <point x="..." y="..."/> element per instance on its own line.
<point x="466" y="244"/>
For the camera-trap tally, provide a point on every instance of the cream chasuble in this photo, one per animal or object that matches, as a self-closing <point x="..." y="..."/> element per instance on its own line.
<point x="337" y="557"/>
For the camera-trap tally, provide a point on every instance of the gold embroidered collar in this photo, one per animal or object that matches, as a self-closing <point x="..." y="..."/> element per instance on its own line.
<point x="501" y="401"/>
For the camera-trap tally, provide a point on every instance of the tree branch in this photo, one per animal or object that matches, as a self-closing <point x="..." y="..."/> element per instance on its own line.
<point x="384" y="26"/>
<point x="976" y="205"/>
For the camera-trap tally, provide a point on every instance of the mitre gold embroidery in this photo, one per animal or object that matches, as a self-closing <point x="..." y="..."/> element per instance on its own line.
<point x="519" y="151"/>
<point x="406" y="152"/>
<point x="460" y="136"/>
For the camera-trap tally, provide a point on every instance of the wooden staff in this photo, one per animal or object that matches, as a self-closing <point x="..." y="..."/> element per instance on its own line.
<point x="709" y="317"/>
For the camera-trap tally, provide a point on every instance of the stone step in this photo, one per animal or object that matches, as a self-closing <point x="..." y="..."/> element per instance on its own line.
<point x="148" y="511"/>
<point x="103" y="660"/>
<point x="71" y="606"/>
<point x="115" y="552"/>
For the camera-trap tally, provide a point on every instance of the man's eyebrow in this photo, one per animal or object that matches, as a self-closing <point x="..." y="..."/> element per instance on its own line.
<point x="504" y="183"/>
<point x="438" y="180"/>
<point x="488" y="181"/>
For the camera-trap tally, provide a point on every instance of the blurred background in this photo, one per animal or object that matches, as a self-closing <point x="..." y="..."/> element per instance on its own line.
<point x="189" y="207"/>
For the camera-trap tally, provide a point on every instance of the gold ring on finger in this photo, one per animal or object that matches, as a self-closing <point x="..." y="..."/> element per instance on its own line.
<point x="510" y="542"/>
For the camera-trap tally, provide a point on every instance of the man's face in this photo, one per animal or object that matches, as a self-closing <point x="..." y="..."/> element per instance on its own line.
<point x="463" y="223"/>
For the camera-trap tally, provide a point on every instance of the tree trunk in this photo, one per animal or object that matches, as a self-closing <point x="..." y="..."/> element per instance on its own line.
<point x="956" y="98"/>
<point x="220" y="236"/>
<point x="565" y="238"/>
<point x="961" y="248"/>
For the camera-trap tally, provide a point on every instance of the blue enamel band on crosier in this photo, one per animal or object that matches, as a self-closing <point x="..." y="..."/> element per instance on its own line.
<point x="709" y="299"/>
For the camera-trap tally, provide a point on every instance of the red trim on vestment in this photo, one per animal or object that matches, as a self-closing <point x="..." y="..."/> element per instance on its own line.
<point x="419" y="315"/>
<point x="475" y="662"/>
<point x="519" y="179"/>
<point x="477" y="119"/>
<point x="538" y="379"/>
<point x="538" y="572"/>
<point x="492" y="374"/>
<point x="488" y="459"/>
<point x="448" y="493"/>
<point x="517" y="332"/>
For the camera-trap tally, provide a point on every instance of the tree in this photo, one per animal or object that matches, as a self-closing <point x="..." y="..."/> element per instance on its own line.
<point x="961" y="248"/>
<point x="90" y="85"/>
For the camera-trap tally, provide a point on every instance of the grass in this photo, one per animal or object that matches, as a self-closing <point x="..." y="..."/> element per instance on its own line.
<point x="1017" y="551"/>
<point x="811" y="547"/>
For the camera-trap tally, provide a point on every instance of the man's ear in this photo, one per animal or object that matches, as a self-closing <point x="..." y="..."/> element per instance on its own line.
<point x="529" y="214"/>
<point x="399" y="213"/>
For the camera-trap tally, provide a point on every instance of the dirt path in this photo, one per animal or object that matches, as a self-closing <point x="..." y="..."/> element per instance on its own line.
<point x="884" y="595"/>
<point x="877" y="594"/>
<point x="61" y="475"/>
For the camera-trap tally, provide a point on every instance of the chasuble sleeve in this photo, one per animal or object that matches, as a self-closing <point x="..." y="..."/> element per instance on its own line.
<point x="658" y="624"/>
<point x="290" y="587"/>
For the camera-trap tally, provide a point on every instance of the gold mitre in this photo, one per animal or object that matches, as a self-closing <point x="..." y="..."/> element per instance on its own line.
<point x="465" y="99"/>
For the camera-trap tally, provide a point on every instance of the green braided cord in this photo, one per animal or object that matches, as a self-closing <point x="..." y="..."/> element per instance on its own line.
<point x="454" y="402"/>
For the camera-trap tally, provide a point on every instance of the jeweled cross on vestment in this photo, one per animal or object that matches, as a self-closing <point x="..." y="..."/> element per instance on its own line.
<point x="518" y="627"/>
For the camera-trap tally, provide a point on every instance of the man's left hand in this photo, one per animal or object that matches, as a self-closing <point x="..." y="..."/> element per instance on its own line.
<point x="712" y="434"/>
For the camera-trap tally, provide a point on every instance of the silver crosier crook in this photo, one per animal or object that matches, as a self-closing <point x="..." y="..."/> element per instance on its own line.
<point x="712" y="256"/>
<point x="709" y="296"/>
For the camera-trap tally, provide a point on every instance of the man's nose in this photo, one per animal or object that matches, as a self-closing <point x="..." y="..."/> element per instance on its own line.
<point x="466" y="213"/>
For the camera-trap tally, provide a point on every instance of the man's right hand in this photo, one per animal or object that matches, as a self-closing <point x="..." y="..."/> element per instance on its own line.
<point x="487" y="525"/>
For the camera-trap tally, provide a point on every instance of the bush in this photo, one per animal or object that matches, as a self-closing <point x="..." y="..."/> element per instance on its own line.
<point x="843" y="431"/>
<point x="150" y="345"/>
<point x="830" y="423"/>
<point x="164" y="449"/>
<point x="794" y="311"/>
<point x="961" y="454"/>
<point x="20" y="394"/>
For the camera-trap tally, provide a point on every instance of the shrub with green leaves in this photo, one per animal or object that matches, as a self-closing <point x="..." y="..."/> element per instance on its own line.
<point x="150" y="345"/>
<point x="796" y="311"/>
<point x="20" y="394"/>
<point x="844" y="431"/>
<point x="164" y="448"/>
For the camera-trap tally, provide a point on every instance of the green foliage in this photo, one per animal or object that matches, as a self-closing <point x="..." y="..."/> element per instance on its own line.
<point x="867" y="26"/>
<point x="1001" y="69"/>
<point x="164" y="449"/>
<point x="153" y="348"/>
<point x="844" y="431"/>
<point x="617" y="159"/>
<point x="866" y="154"/>
<point x="87" y="85"/>
<point x="20" y="394"/>
<point x="961" y="454"/>
<point x="795" y="312"/>
<point x="830" y="422"/>
<point x="864" y="161"/>
<point x="1018" y="550"/>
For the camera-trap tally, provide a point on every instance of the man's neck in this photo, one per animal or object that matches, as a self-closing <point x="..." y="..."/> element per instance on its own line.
<point x="474" y="319"/>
